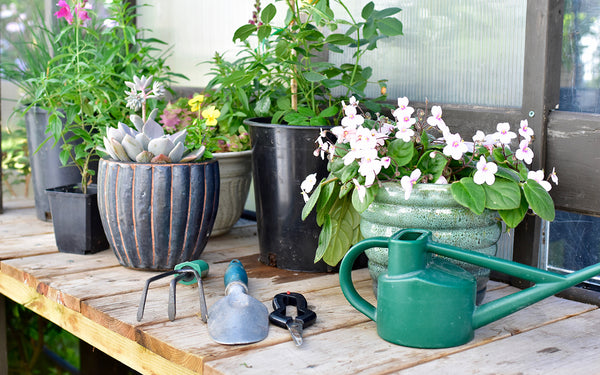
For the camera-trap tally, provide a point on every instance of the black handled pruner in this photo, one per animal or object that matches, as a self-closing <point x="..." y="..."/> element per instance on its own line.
<point x="295" y="325"/>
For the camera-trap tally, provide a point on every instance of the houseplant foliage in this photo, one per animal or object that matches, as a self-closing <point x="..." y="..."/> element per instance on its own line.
<point x="157" y="197"/>
<point x="302" y="83"/>
<point x="75" y="71"/>
<point x="417" y="147"/>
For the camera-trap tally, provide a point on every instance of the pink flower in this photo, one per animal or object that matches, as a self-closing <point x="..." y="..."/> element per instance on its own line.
<point x="538" y="176"/>
<point x="524" y="152"/>
<point x="525" y="130"/>
<point x="64" y="11"/>
<point x="407" y="182"/>
<point x="455" y="146"/>
<point x="504" y="135"/>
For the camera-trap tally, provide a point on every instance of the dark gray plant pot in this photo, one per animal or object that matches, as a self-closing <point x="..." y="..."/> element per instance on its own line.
<point x="157" y="215"/>
<point x="282" y="157"/>
<point x="76" y="220"/>
<point x="46" y="168"/>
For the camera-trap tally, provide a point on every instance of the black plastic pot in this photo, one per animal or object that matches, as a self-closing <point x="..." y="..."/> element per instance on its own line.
<point x="282" y="157"/>
<point x="76" y="220"/>
<point x="46" y="169"/>
<point x="157" y="215"/>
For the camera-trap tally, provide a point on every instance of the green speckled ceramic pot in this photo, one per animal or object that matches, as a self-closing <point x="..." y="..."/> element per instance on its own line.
<point x="430" y="207"/>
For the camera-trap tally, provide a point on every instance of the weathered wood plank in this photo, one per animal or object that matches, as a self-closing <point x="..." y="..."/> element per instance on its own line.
<point x="345" y="348"/>
<point x="18" y="247"/>
<point x="568" y="346"/>
<point x="115" y="345"/>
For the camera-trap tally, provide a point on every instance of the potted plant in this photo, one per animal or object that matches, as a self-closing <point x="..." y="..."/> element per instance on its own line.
<point x="289" y="61"/>
<point x="413" y="172"/>
<point x="225" y="138"/>
<point x="158" y="200"/>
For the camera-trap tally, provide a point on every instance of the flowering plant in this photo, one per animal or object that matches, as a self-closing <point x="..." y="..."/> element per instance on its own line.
<point x="79" y="79"/>
<point x="484" y="174"/>
<point x="288" y="56"/>
<point x="201" y="118"/>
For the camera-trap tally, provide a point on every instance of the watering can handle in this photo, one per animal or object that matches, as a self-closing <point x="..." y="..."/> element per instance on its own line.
<point x="346" y="275"/>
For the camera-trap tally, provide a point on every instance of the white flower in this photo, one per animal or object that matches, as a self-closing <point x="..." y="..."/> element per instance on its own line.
<point x="455" y="146"/>
<point x="524" y="152"/>
<point x="538" y="176"/>
<point x="525" y="130"/>
<point x="369" y="166"/>
<point x="503" y="134"/>
<point x="309" y="183"/>
<point x="554" y="176"/>
<point x="362" y="191"/>
<point x="404" y="132"/>
<point x="407" y="182"/>
<point x="485" y="172"/>
<point x="435" y="119"/>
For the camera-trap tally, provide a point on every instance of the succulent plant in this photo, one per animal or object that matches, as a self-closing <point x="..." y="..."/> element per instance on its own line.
<point x="147" y="144"/>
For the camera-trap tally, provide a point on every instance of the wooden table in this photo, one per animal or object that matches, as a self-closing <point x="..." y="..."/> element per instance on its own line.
<point x="96" y="299"/>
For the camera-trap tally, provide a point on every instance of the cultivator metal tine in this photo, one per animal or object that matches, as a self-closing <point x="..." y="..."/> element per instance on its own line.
<point x="140" y="313"/>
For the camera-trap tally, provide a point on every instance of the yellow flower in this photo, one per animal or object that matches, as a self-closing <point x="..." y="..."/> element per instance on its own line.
<point x="195" y="102"/>
<point x="211" y="114"/>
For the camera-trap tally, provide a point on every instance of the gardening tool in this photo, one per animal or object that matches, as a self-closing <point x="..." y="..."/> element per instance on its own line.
<point x="237" y="318"/>
<point x="304" y="316"/>
<point x="186" y="273"/>
<point x="425" y="301"/>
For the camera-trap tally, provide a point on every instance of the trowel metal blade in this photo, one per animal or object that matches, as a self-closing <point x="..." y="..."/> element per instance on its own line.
<point x="238" y="319"/>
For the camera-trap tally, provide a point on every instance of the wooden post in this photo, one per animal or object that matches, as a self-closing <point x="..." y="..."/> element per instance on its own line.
<point x="3" y="343"/>
<point x="541" y="90"/>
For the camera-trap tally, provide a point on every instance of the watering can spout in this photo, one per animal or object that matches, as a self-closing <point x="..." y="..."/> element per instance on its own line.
<point x="428" y="302"/>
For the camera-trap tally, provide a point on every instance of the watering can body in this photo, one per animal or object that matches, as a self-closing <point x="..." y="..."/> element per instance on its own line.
<point x="424" y="301"/>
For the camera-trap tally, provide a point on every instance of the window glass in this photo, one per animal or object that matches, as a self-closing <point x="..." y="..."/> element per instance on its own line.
<point x="464" y="52"/>
<point x="574" y="243"/>
<point x="580" y="75"/>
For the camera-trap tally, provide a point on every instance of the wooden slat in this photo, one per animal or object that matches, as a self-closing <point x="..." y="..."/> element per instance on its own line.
<point x="569" y="346"/>
<point x="358" y="349"/>
<point x="115" y="345"/>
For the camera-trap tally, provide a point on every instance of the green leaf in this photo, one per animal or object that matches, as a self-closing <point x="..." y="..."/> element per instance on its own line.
<point x="263" y="32"/>
<point x="339" y="39"/>
<point x="498" y="155"/>
<point x="314" y="76"/>
<point x="469" y="194"/>
<point x="349" y="172"/>
<point x="329" y="111"/>
<point x="367" y="10"/>
<point x="54" y="126"/>
<point x="386" y="12"/>
<point x="401" y="152"/>
<point x="502" y="195"/>
<point x="513" y="217"/>
<point x="367" y="200"/>
<point x="263" y="106"/>
<point x="508" y="174"/>
<point x="389" y="26"/>
<point x="434" y="166"/>
<point x="324" y="238"/>
<point x="310" y="204"/>
<point x="268" y="13"/>
<point x="295" y="118"/>
<point x="539" y="200"/>
<point x="244" y="32"/>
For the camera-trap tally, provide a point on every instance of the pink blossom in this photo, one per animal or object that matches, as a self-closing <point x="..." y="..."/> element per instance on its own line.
<point x="525" y="130"/>
<point x="361" y="190"/>
<point x="503" y="134"/>
<point x="64" y="11"/>
<point x="435" y="119"/>
<point x="554" y="176"/>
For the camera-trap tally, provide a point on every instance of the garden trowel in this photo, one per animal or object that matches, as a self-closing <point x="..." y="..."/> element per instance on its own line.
<point x="237" y="318"/>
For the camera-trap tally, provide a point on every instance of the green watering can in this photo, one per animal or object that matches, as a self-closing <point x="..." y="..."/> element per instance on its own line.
<point x="427" y="302"/>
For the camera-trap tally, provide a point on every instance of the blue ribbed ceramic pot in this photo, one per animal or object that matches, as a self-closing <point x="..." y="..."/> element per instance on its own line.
<point x="157" y="215"/>
<point x="430" y="207"/>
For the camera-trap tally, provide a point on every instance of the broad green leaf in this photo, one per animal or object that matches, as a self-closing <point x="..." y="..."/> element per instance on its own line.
<point x="326" y="200"/>
<point x="243" y="32"/>
<point x="389" y="26"/>
<point x="367" y="10"/>
<point x="314" y="76"/>
<point x="349" y="172"/>
<point x="539" y="200"/>
<point x="314" y="197"/>
<point x="345" y="221"/>
<point x="295" y="118"/>
<point x="469" y="194"/>
<point x="498" y="155"/>
<point x="263" y="106"/>
<point x="513" y="217"/>
<point x="324" y="238"/>
<point x="401" y="152"/>
<point x="329" y="111"/>
<point x="263" y="32"/>
<point x="268" y="13"/>
<point x="502" y="195"/>
<point x="318" y="121"/>
<point x="54" y="126"/>
<point x="508" y="174"/>
<point x="367" y="200"/>
<point x="434" y="166"/>
<point x="386" y="12"/>
<point x="339" y="39"/>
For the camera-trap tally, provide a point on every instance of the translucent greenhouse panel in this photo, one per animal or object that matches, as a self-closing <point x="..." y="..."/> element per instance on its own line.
<point x="580" y="75"/>
<point x="463" y="52"/>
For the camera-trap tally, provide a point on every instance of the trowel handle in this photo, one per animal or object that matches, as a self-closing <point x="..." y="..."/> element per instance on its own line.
<point x="236" y="273"/>
<point x="200" y="266"/>
<point x="346" y="284"/>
